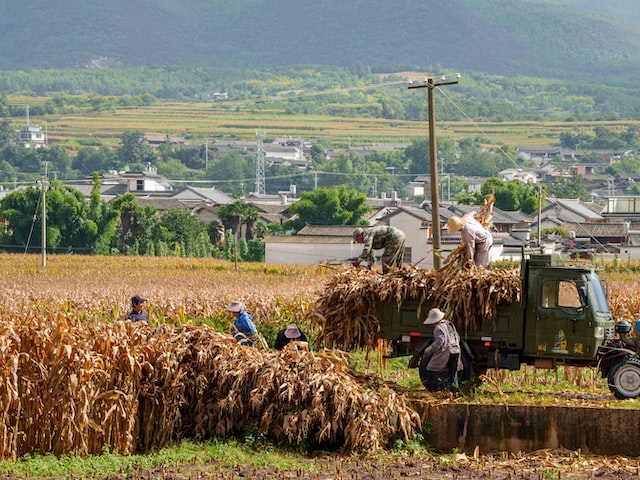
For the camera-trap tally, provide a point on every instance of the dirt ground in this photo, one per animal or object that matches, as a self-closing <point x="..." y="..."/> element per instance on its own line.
<point x="539" y="466"/>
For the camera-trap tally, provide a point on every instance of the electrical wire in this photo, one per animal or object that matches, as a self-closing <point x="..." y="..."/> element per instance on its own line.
<point x="493" y="142"/>
<point x="35" y="216"/>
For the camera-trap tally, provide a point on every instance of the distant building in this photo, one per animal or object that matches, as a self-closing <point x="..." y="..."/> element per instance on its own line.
<point x="31" y="137"/>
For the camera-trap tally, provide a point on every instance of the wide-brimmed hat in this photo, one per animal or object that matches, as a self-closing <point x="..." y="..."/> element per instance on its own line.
<point x="357" y="231"/>
<point x="236" y="307"/>
<point x="435" y="315"/>
<point x="455" y="224"/>
<point x="292" y="331"/>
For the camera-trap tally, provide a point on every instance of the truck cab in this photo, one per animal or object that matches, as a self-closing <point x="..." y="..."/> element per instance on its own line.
<point x="561" y="318"/>
<point x="566" y="313"/>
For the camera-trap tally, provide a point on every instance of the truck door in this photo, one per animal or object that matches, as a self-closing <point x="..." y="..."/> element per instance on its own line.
<point x="561" y="328"/>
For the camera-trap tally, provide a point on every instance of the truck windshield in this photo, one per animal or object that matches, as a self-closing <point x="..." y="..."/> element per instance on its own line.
<point x="597" y="293"/>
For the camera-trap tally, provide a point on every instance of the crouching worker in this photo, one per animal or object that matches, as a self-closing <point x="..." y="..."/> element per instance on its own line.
<point x="445" y="361"/>
<point x="244" y="330"/>
<point x="384" y="237"/>
<point x="289" y="334"/>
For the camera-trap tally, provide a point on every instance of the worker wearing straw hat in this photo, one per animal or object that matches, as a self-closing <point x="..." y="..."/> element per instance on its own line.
<point x="445" y="361"/>
<point x="291" y="333"/>
<point x="244" y="330"/>
<point x="477" y="239"/>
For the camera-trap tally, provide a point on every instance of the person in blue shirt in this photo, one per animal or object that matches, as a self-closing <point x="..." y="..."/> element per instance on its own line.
<point x="244" y="330"/>
<point x="138" y="313"/>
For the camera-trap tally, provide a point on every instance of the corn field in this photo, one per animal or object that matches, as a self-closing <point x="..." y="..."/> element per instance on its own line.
<point x="78" y="378"/>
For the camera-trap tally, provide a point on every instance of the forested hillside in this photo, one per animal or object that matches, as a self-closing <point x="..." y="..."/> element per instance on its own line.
<point x="577" y="39"/>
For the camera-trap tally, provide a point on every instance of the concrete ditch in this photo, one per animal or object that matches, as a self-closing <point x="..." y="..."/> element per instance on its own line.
<point x="527" y="428"/>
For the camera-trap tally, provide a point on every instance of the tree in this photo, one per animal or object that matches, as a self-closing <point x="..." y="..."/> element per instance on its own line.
<point x="68" y="226"/>
<point x="19" y="209"/>
<point x="136" y="226"/>
<point x="105" y="217"/>
<point x="572" y="187"/>
<point x="7" y="133"/>
<point x="134" y="149"/>
<point x="90" y="159"/>
<point x="181" y="227"/>
<point x="236" y="215"/>
<point x="418" y="154"/>
<point x="512" y="196"/>
<point x="216" y="232"/>
<point x="329" y="206"/>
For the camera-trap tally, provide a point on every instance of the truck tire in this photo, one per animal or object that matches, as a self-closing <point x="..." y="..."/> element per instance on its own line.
<point x="624" y="379"/>
<point x="465" y="376"/>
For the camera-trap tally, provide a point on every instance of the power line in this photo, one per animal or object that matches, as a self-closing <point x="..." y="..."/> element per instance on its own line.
<point x="478" y="127"/>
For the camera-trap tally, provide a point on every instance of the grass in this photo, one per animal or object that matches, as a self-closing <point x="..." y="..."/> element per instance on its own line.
<point x="211" y="455"/>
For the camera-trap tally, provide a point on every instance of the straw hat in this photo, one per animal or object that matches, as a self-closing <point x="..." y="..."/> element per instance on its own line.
<point x="455" y="224"/>
<point x="236" y="307"/>
<point x="292" y="331"/>
<point x="435" y="315"/>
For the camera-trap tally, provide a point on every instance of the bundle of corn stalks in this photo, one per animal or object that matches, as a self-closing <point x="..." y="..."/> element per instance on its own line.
<point x="347" y="311"/>
<point x="71" y="388"/>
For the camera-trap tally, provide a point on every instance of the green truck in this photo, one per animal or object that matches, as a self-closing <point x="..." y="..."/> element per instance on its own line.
<point x="562" y="318"/>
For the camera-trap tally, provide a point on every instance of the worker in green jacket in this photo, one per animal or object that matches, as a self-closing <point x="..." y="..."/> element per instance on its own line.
<point x="384" y="237"/>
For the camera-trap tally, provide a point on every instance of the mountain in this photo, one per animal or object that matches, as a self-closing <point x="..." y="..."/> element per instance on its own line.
<point x="554" y="38"/>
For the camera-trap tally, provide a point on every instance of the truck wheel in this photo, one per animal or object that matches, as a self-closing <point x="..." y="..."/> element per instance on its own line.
<point x="624" y="379"/>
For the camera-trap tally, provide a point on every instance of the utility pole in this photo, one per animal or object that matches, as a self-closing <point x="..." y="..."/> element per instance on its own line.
<point x="44" y="216"/>
<point x="430" y="84"/>
<point x="260" y="180"/>
<point x="206" y="154"/>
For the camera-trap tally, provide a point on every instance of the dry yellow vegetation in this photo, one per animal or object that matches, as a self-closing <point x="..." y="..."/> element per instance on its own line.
<point x="77" y="377"/>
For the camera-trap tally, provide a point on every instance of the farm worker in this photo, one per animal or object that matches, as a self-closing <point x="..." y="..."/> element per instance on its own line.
<point x="138" y="313"/>
<point x="375" y="238"/>
<point x="623" y="328"/>
<point x="445" y="354"/>
<point x="289" y="334"/>
<point x="476" y="238"/>
<point x="244" y="330"/>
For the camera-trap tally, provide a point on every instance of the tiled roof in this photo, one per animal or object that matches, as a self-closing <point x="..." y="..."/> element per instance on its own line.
<point x="212" y="195"/>
<point x="327" y="231"/>
<point x="596" y="229"/>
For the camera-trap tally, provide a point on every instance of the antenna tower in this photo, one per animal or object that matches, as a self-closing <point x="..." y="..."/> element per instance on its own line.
<point x="260" y="162"/>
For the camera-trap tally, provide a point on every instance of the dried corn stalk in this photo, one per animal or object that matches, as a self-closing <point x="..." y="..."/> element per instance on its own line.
<point x="73" y="388"/>
<point x="346" y="314"/>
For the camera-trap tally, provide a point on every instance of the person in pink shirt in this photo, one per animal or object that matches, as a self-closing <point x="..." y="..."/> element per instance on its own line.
<point x="476" y="238"/>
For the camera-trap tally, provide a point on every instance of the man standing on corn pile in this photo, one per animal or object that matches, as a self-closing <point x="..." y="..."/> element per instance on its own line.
<point x="476" y="238"/>
<point x="376" y="238"/>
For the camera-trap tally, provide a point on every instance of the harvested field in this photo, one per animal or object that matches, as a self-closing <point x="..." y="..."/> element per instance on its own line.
<point x="88" y="379"/>
<point x="72" y="312"/>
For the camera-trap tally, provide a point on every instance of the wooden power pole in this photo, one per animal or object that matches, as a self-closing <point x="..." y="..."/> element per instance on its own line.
<point x="430" y="84"/>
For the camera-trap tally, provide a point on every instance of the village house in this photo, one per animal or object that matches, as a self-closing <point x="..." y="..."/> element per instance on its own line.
<point x="314" y="244"/>
<point x="31" y="136"/>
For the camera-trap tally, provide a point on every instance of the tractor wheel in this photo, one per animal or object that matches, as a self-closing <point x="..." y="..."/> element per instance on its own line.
<point x="624" y="379"/>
